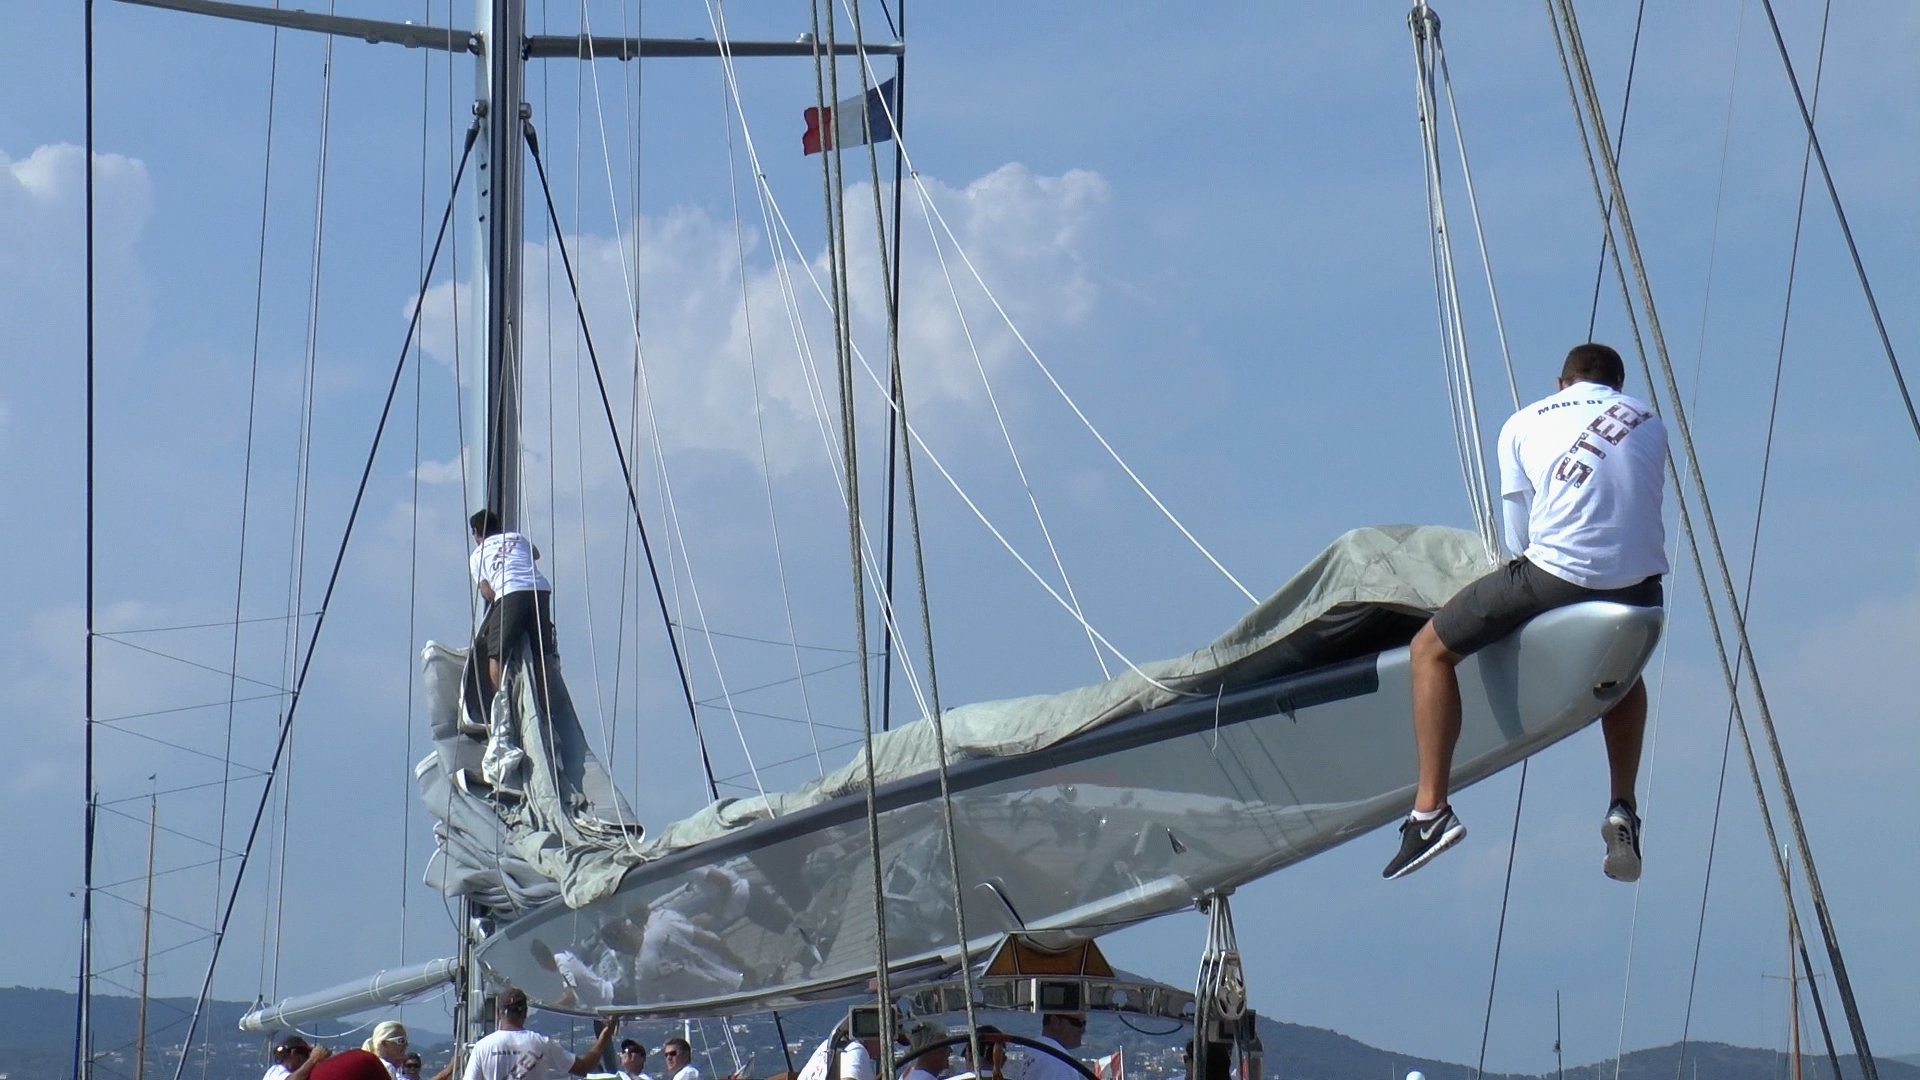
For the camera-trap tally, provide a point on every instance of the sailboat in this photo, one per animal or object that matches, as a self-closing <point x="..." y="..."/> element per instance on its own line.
<point x="1067" y="815"/>
<point x="1072" y="815"/>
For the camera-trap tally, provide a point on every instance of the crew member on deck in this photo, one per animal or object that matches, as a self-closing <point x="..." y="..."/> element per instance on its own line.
<point x="678" y="1054"/>
<point x="633" y="1060"/>
<point x="293" y="1059"/>
<point x="519" y="604"/>
<point x="1063" y="1032"/>
<point x="513" y="1053"/>
<point x="1581" y="479"/>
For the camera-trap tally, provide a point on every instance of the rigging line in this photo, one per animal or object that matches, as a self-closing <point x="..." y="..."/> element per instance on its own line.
<point x="1630" y="239"/>
<point x="630" y="290"/>
<point x="967" y="500"/>
<point x="124" y="717"/>
<point x="278" y="690"/>
<point x="1500" y="931"/>
<point x="180" y="747"/>
<point x="730" y="96"/>
<point x="83" y="996"/>
<point x="933" y="710"/>
<point x="179" y="790"/>
<point x="1620" y="146"/>
<point x="675" y="534"/>
<point x="832" y="165"/>
<point x="785" y="643"/>
<point x="170" y="871"/>
<point x="897" y="450"/>
<point x="1027" y="347"/>
<point x="246" y="467"/>
<point x="413" y="522"/>
<point x="786" y="680"/>
<point x="1473" y="206"/>
<point x="619" y="449"/>
<point x="1424" y="26"/>
<point x="1753" y="552"/>
<point x="281" y="745"/>
<point x="1006" y="435"/>
<point x="890" y="258"/>
<point x="221" y="624"/>
<point x="1866" y="289"/>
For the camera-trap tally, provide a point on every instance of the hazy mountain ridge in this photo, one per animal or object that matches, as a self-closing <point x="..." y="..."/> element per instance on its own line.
<point x="36" y="1043"/>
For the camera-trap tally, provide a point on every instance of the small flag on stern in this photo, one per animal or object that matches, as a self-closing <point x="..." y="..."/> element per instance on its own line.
<point x="863" y="118"/>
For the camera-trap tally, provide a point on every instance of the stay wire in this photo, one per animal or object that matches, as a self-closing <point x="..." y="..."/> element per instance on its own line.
<point x="1620" y="146"/>
<point x="280" y="749"/>
<point x="1587" y="95"/>
<point x="620" y="452"/>
<point x="1859" y="269"/>
<point x="833" y="175"/>
<point x="897" y="427"/>
<point x="83" y="999"/>
<point x="1753" y="557"/>
<point x="246" y="462"/>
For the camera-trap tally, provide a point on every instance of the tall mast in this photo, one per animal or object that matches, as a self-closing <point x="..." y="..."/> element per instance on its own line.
<point x="146" y="940"/>
<point x="501" y="80"/>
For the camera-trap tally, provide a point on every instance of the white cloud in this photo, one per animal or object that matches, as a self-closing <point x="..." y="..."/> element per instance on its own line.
<point x="42" y="208"/>
<point x="706" y="320"/>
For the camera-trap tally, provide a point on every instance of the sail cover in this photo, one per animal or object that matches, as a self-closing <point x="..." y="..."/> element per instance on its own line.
<point x="561" y="830"/>
<point x="1073" y="814"/>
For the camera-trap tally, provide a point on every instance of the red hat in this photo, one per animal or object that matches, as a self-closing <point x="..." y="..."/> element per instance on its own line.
<point x="350" y="1065"/>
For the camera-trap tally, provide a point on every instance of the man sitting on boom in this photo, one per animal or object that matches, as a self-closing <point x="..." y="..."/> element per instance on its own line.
<point x="1581" y="476"/>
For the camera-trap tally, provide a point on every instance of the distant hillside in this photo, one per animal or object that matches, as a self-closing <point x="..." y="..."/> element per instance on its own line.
<point x="36" y="1043"/>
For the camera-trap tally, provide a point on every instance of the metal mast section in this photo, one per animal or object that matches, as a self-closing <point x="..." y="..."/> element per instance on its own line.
<point x="501" y="79"/>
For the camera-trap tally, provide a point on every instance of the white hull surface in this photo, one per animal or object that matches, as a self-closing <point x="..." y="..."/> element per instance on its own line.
<point x="1129" y="821"/>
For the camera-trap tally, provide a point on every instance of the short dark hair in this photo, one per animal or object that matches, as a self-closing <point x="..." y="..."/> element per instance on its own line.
<point x="634" y="1045"/>
<point x="291" y="1045"/>
<point x="1594" y="363"/>
<point x="685" y="1047"/>
<point x="513" y="1001"/>
<point x="411" y="1059"/>
<point x="485" y="522"/>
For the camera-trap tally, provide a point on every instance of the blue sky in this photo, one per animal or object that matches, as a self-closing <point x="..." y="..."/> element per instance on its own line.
<point x="1208" y="225"/>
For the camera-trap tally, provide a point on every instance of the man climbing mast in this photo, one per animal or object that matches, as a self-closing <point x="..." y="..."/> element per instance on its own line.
<point x="519" y="607"/>
<point x="1582" y="475"/>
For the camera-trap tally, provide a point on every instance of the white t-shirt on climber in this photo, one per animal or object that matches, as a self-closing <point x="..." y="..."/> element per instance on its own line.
<point x="1581" y="478"/>
<point x="505" y="561"/>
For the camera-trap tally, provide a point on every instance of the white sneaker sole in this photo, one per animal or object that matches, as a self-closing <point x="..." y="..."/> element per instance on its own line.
<point x="1622" y="862"/>
<point x="1454" y="834"/>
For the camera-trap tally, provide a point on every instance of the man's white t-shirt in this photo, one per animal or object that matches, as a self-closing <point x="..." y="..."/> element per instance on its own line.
<point x="505" y="561"/>
<point x="687" y="1072"/>
<point x="518" y="1055"/>
<point x="277" y="1071"/>
<point x="855" y="1063"/>
<point x="1581" y="480"/>
<point x="1044" y="1066"/>
<point x="918" y="1073"/>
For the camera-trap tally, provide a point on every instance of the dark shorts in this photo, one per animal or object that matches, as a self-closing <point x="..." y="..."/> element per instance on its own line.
<point x="517" y="617"/>
<point x="1497" y="604"/>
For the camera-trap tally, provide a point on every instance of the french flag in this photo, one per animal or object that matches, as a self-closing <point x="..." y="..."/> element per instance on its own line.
<point x="863" y="118"/>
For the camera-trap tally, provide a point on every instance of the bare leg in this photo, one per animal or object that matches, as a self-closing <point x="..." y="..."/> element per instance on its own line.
<point x="493" y="676"/>
<point x="1436" y="715"/>
<point x="1625" y="728"/>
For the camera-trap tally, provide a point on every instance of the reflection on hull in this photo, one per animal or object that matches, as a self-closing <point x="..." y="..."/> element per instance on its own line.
<point x="1126" y="822"/>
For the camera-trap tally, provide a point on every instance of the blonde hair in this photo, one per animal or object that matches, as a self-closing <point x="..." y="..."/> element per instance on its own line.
<point x="384" y="1030"/>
